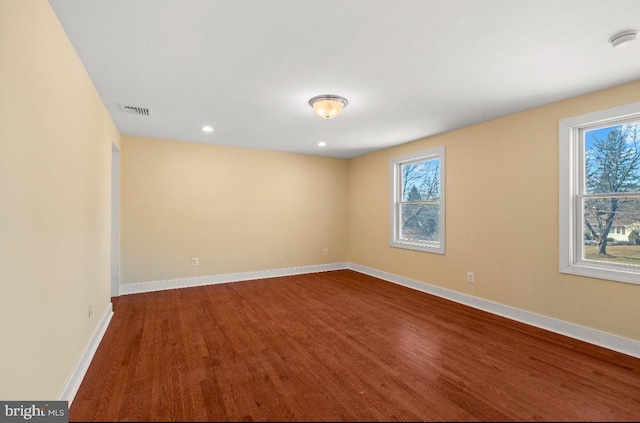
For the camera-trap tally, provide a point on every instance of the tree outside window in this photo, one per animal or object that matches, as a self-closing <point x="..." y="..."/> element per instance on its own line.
<point x="612" y="192"/>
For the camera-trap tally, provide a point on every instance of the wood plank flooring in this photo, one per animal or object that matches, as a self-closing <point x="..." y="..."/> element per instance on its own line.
<point x="341" y="346"/>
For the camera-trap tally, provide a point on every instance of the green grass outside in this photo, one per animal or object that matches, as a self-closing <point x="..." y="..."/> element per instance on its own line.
<point x="629" y="254"/>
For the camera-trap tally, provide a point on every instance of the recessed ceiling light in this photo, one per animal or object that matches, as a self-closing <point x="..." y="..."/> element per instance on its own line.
<point x="322" y="144"/>
<point x="623" y="38"/>
<point x="207" y="128"/>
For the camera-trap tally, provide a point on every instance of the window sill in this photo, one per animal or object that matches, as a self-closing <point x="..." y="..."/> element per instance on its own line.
<point x="599" y="271"/>
<point x="435" y="247"/>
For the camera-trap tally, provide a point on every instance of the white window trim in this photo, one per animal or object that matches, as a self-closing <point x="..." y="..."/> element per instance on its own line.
<point x="570" y="212"/>
<point x="395" y="182"/>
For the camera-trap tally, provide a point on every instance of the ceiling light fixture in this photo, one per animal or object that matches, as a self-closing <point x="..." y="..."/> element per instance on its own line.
<point x="328" y="106"/>
<point x="322" y="144"/>
<point x="207" y="128"/>
<point x="623" y="39"/>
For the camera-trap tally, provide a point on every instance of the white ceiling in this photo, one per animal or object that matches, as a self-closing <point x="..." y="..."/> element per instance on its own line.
<point x="409" y="69"/>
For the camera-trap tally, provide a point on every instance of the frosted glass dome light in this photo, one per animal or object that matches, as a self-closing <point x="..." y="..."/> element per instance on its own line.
<point x="328" y="106"/>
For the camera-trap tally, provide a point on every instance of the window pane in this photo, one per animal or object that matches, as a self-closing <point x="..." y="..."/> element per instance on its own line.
<point x="612" y="159"/>
<point x="611" y="228"/>
<point x="421" y="180"/>
<point x="419" y="222"/>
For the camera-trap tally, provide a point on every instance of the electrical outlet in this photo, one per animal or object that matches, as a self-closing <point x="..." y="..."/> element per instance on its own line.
<point x="90" y="309"/>
<point x="195" y="261"/>
<point x="325" y="251"/>
<point x="471" y="277"/>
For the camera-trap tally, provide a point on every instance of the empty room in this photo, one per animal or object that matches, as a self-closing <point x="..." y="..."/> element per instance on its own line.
<point x="356" y="210"/>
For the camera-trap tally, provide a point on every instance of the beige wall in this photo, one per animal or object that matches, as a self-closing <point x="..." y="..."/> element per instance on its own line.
<point x="236" y="209"/>
<point x="502" y="218"/>
<point x="55" y="147"/>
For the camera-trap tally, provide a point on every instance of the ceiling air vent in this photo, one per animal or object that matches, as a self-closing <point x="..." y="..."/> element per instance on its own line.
<point x="136" y="110"/>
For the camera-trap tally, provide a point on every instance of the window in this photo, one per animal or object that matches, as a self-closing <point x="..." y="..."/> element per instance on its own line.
<point x="600" y="194"/>
<point x="417" y="201"/>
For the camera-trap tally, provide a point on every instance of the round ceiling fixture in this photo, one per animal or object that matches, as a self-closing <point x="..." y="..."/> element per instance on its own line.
<point x="207" y="128"/>
<point x="328" y="106"/>
<point x="623" y="39"/>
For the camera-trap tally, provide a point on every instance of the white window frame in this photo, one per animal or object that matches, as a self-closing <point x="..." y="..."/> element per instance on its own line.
<point x="395" y="181"/>
<point x="571" y="191"/>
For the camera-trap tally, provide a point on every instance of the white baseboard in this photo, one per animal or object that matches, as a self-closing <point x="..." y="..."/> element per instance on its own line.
<point x="136" y="288"/>
<point x="75" y="378"/>
<point x="592" y="336"/>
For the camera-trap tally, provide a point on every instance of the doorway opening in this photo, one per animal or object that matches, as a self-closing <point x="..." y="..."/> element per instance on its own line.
<point x="115" y="221"/>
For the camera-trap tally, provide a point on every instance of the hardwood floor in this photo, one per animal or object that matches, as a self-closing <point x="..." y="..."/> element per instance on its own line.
<point x="341" y="346"/>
